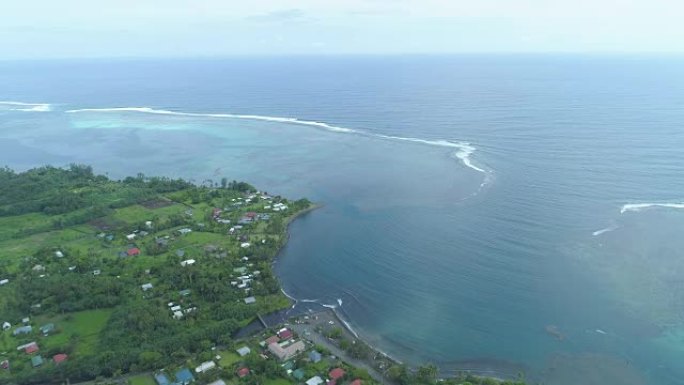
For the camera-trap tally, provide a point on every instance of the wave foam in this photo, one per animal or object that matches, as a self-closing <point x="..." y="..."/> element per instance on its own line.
<point x="30" y="107"/>
<point x="606" y="230"/>
<point x="465" y="149"/>
<point x="636" y="207"/>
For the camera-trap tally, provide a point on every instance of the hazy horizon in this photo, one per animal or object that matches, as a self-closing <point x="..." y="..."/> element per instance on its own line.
<point x="176" y="28"/>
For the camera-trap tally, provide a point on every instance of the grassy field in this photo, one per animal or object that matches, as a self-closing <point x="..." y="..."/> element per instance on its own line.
<point x="228" y="359"/>
<point x="83" y="325"/>
<point x="143" y="379"/>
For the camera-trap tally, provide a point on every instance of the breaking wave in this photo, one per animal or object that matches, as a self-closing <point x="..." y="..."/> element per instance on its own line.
<point x="30" y="107"/>
<point x="606" y="230"/>
<point x="636" y="207"/>
<point x="463" y="153"/>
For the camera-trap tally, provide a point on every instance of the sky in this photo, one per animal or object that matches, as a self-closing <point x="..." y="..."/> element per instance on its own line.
<point x="38" y="29"/>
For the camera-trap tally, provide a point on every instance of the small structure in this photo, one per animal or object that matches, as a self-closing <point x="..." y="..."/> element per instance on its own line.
<point x="245" y="245"/>
<point x="336" y="374"/>
<point x="184" y="376"/>
<point x="97" y="272"/>
<point x="315" y="356"/>
<point x="285" y="334"/>
<point x="272" y="340"/>
<point x="4" y="282"/>
<point x="47" y="328"/>
<point x="130" y="237"/>
<point x="6" y="325"/>
<point x="218" y="382"/>
<point x="188" y="262"/>
<point x="4" y="364"/>
<point x="59" y="358"/>
<point x="316" y="380"/>
<point x="356" y="382"/>
<point x="250" y="300"/>
<point x="287" y="352"/>
<point x="59" y="254"/>
<point x="133" y="251"/>
<point x="148" y="224"/>
<point x="147" y="286"/>
<point x="25" y="320"/>
<point x="184" y="292"/>
<point x="205" y="366"/>
<point x="38" y="268"/>
<point x="22" y="330"/>
<point x="31" y="348"/>
<point x="37" y="361"/>
<point x="298" y="374"/>
<point x="243" y="351"/>
<point x="161" y="379"/>
<point x="185" y="231"/>
<point x="243" y="372"/>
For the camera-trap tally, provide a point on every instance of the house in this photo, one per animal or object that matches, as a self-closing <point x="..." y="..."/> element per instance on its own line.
<point x="147" y="286"/>
<point x="161" y="379"/>
<point x="38" y="268"/>
<point x="36" y="361"/>
<point x="205" y="366"/>
<point x="133" y="251"/>
<point x="25" y="320"/>
<point x="315" y="356"/>
<point x="4" y="364"/>
<point x="298" y="374"/>
<point x="130" y="237"/>
<point x="336" y="374"/>
<point x="245" y="245"/>
<point x="218" y="382"/>
<point x="4" y="281"/>
<point x="272" y="340"/>
<point x="177" y="315"/>
<point x="188" y="262"/>
<point x="47" y="328"/>
<point x="22" y="330"/>
<point x="185" y="231"/>
<point x="59" y="358"/>
<point x="6" y="325"/>
<point x="184" y="377"/>
<point x="59" y="254"/>
<point x="148" y="224"/>
<point x="356" y="382"/>
<point x="250" y="300"/>
<point x="314" y="381"/>
<point x="31" y="348"/>
<point x="180" y="252"/>
<point x="185" y="292"/>
<point x="287" y="352"/>
<point x="242" y="372"/>
<point x="285" y="334"/>
<point x="97" y="272"/>
<point x="243" y="351"/>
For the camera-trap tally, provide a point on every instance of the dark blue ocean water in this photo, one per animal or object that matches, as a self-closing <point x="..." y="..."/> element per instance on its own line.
<point x="471" y="203"/>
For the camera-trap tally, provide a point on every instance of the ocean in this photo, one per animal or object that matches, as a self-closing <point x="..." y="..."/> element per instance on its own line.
<point x="493" y="213"/>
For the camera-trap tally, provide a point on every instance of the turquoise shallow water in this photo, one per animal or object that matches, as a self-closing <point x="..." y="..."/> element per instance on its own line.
<point x="436" y="253"/>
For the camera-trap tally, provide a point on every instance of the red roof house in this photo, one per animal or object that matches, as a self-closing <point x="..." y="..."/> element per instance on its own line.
<point x="285" y="334"/>
<point x="272" y="340"/>
<point x="242" y="372"/>
<point x="356" y="382"/>
<point x="251" y="215"/>
<point x="336" y="374"/>
<point x="31" y="348"/>
<point x="58" y="358"/>
<point x="133" y="251"/>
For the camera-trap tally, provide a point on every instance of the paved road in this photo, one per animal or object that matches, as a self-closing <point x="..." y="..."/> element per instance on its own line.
<point x="307" y="330"/>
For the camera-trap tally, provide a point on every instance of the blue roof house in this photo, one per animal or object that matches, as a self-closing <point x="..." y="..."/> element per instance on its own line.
<point x="161" y="379"/>
<point x="315" y="356"/>
<point x="184" y="376"/>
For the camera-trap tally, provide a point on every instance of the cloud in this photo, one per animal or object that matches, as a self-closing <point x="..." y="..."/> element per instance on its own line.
<point x="282" y="16"/>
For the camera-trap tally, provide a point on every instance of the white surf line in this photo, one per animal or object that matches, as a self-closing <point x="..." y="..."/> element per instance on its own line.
<point x="606" y="230"/>
<point x="636" y="207"/>
<point x="29" y="107"/>
<point x="465" y="149"/>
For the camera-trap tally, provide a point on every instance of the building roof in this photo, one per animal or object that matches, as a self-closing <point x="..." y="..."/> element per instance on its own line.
<point x="23" y="330"/>
<point x="356" y="382"/>
<point x="243" y="351"/>
<point x="218" y="382"/>
<point x="314" y="381"/>
<point x="31" y="348"/>
<point x="314" y="356"/>
<point x="161" y="379"/>
<point x="250" y="300"/>
<point x="133" y="251"/>
<point x="272" y="340"/>
<point x="285" y="353"/>
<point x="184" y="376"/>
<point x="285" y="334"/>
<point x="36" y="361"/>
<point x="57" y="358"/>
<point x="336" y="373"/>
<point x="47" y="328"/>
<point x="298" y="374"/>
<point x="242" y="372"/>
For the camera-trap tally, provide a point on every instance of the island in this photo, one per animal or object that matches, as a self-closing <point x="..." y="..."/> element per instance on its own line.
<point x="153" y="280"/>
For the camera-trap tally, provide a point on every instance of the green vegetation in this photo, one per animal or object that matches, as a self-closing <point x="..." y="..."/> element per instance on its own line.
<point x="77" y="248"/>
